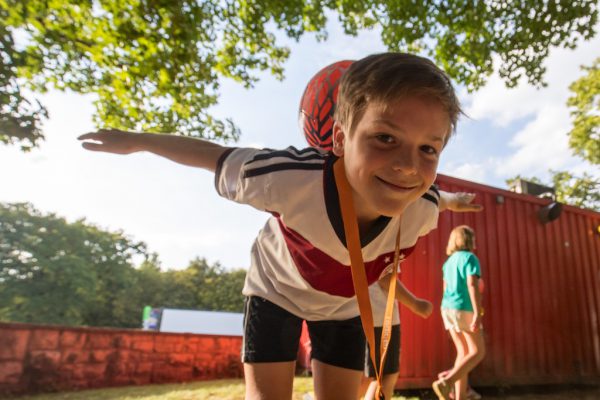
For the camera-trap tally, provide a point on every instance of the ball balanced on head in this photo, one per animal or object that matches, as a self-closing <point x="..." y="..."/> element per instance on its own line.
<point x="318" y="104"/>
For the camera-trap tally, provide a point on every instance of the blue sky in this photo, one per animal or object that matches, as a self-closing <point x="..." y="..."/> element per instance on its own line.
<point x="175" y="209"/>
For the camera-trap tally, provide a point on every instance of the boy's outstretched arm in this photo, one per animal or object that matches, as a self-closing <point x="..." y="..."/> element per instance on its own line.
<point x="421" y="307"/>
<point x="458" y="202"/>
<point x="183" y="150"/>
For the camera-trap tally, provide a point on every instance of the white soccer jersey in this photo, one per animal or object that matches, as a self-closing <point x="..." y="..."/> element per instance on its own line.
<point x="299" y="260"/>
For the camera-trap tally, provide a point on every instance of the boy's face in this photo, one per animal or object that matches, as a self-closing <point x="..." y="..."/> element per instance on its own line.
<point x="391" y="158"/>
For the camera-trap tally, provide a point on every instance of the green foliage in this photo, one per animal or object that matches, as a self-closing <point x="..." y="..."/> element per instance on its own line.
<point x="156" y="65"/>
<point x="582" y="191"/>
<point x="216" y="288"/>
<point x="584" y="138"/>
<point x="53" y="271"/>
<point x="200" y="286"/>
<point x="19" y="121"/>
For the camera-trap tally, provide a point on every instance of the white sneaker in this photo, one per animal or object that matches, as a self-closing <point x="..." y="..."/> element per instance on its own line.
<point x="472" y="395"/>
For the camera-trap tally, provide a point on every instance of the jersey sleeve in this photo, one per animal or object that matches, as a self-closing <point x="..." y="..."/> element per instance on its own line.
<point x="231" y="178"/>
<point x="266" y="178"/>
<point x="472" y="266"/>
<point x="429" y="205"/>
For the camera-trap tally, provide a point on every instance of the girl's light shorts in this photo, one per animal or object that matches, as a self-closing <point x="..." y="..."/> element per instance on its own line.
<point x="457" y="320"/>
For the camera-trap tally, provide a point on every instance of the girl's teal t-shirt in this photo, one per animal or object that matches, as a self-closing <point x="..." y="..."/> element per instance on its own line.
<point x="456" y="269"/>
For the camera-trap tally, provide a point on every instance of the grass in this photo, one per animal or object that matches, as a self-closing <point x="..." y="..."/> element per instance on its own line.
<point x="230" y="389"/>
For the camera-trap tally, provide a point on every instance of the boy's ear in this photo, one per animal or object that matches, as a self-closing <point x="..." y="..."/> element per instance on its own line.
<point x="338" y="139"/>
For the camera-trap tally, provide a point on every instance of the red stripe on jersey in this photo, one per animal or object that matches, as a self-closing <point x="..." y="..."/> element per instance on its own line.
<point x="326" y="274"/>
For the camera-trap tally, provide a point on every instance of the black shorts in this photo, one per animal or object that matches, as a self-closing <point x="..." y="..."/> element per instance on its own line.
<point x="272" y="334"/>
<point x="392" y="359"/>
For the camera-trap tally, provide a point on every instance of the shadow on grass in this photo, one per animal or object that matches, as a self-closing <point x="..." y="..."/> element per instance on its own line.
<point x="228" y="389"/>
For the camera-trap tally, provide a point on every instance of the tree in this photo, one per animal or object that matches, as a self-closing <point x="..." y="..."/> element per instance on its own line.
<point x="216" y="288"/>
<point x="156" y="65"/>
<point x="200" y="286"/>
<point x="582" y="191"/>
<point x="53" y="271"/>
<point x="584" y="138"/>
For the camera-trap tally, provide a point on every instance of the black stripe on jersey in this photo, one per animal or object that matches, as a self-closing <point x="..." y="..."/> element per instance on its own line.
<point x="431" y="198"/>
<point x="219" y="167"/>
<point x="288" y="155"/>
<point x="281" y="167"/>
<point x="434" y="188"/>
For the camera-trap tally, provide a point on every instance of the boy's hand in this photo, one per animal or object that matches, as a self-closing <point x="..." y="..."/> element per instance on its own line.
<point x="111" y="141"/>
<point x="423" y="308"/>
<point x="458" y="202"/>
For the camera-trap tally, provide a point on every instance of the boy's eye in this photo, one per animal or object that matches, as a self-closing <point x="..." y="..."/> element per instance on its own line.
<point x="384" y="138"/>
<point x="429" y="150"/>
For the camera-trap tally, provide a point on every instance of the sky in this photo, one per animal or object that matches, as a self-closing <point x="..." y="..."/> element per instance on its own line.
<point x="175" y="209"/>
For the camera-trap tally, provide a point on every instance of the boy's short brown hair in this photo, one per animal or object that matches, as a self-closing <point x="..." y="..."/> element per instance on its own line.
<point x="386" y="77"/>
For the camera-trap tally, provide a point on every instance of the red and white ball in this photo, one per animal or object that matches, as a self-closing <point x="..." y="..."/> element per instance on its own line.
<point x="318" y="105"/>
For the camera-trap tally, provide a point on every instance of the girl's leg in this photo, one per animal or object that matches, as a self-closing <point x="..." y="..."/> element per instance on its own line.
<point x="269" y="381"/>
<point x="462" y="349"/>
<point x="476" y="344"/>
<point x="476" y="352"/>
<point x="331" y="382"/>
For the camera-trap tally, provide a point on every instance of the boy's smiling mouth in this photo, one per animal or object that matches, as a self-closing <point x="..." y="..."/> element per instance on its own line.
<point x="402" y="187"/>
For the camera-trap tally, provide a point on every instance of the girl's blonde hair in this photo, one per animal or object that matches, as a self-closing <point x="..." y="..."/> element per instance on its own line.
<point x="461" y="238"/>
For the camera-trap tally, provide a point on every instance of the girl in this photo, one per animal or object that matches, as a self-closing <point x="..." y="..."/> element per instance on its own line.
<point x="461" y="312"/>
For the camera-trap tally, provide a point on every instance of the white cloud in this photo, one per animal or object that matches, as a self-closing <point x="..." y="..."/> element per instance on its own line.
<point x="469" y="171"/>
<point x="542" y="143"/>
<point x="503" y="106"/>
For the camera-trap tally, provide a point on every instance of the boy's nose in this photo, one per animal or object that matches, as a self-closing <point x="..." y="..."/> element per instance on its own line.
<point x="405" y="162"/>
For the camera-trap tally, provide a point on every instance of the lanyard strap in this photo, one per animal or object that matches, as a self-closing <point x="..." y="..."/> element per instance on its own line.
<point x="359" y="276"/>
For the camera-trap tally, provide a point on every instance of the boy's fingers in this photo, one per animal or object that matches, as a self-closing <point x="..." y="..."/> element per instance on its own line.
<point x="97" y="134"/>
<point x="92" y="146"/>
<point x="467" y="207"/>
<point x="89" y="135"/>
<point x="471" y="207"/>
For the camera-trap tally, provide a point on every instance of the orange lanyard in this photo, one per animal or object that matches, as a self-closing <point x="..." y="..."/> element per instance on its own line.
<point x="359" y="276"/>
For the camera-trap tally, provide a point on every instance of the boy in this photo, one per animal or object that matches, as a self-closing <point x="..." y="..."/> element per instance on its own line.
<point x="395" y="112"/>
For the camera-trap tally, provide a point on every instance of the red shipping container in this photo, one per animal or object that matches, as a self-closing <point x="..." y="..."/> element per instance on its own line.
<point x="541" y="297"/>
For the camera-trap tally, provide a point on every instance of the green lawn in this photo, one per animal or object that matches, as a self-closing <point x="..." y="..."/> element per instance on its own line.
<point x="231" y="389"/>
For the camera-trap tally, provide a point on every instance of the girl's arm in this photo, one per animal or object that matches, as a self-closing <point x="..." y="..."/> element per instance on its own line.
<point x="475" y="295"/>
<point x="421" y="307"/>
<point x="183" y="150"/>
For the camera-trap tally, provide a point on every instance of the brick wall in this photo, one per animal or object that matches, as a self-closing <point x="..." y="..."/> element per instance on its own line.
<point x="35" y="358"/>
